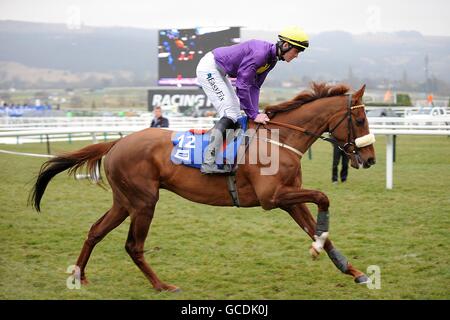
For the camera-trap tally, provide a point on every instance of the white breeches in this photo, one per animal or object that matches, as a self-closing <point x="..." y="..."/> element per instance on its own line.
<point x="218" y="88"/>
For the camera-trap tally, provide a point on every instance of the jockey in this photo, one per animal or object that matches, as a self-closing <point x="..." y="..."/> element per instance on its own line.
<point x="249" y="62"/>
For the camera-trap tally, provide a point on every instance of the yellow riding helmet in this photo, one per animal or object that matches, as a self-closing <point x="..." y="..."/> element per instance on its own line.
<point x="295" y="36"/>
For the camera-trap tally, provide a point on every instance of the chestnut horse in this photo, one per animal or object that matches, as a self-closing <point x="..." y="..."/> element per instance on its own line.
<point x="138" y="165"/>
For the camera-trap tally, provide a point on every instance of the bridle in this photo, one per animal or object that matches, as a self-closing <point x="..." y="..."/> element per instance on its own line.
<point x="354" y="144"/>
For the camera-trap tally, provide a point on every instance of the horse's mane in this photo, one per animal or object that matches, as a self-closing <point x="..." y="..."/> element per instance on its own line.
<point x="317" y="91"/>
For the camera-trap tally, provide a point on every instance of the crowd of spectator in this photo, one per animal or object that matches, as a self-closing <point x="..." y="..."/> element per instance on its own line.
<point x="18" y="110"/>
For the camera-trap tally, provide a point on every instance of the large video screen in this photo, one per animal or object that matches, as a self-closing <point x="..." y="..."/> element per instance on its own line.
<point x="180" y="50"/>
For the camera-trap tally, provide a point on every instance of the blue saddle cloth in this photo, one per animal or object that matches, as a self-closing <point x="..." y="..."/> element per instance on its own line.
<point x="189" y="146"/>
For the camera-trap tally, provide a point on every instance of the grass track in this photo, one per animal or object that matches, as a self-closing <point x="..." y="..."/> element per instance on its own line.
<point x="228" y="253"/>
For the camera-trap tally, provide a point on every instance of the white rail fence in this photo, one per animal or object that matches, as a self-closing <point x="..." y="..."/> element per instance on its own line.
<point x="22" y="123"/>
<point x="56" y="129"/>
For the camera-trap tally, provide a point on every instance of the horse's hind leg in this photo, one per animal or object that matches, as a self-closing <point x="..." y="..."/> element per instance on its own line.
<point x="110" y="220"/>
<point x="301" y="214"/>
<point x="140" y="224"/>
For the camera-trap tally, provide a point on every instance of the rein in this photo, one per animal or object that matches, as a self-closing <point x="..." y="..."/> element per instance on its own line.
<point x="332" y="139"/>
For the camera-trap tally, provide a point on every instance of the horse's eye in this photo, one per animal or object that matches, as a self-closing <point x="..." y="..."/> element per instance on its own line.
<point x="360" y="122"/>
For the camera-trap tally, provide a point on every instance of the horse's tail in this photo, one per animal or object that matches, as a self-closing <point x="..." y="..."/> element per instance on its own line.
<point x="90" y="156"/>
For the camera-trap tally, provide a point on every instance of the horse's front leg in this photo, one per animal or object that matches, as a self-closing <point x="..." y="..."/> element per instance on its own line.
<point x="288" y="199"/>
<point x="301" y="214"/>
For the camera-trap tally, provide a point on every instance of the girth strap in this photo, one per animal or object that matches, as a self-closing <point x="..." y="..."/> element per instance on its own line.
<point x="231" y="182"/>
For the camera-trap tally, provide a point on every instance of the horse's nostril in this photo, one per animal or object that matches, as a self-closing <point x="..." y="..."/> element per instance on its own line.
<point x="371" y="161"/>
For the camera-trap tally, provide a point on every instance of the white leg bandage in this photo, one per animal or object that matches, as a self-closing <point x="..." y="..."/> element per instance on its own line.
<point x="320" y="241"/>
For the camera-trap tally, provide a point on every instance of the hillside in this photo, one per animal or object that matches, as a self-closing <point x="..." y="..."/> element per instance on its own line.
<point x="50" y="55"/>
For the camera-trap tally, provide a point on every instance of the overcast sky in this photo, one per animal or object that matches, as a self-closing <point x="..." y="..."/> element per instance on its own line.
<point x="430" y="17"/>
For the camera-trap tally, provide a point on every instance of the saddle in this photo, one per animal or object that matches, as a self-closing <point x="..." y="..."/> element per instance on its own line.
<point x="188" y="146"/>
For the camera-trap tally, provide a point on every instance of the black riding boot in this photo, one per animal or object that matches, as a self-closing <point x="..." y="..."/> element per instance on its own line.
<point x="216" y="139"/>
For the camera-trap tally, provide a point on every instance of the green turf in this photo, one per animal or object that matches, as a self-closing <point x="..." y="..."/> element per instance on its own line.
<point x="228" y="253"/>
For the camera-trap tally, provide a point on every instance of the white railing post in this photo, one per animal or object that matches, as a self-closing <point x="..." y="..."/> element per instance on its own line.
<point x="389" y="160"/>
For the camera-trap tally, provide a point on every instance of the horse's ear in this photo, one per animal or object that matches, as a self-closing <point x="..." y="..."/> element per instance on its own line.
<point x="359" y="94"/>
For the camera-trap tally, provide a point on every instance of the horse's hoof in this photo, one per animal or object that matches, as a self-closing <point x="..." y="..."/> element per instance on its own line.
<point x="172" y="288"/>
<point x="169" y="288"/>
<point x="362" y="279"/>
<point x="84" y="281"/>
<point x="314" y="253"/>
<point x="175" y="289"/>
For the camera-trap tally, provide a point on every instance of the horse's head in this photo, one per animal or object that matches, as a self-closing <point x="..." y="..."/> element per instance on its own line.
<point x="350" y="128"/>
